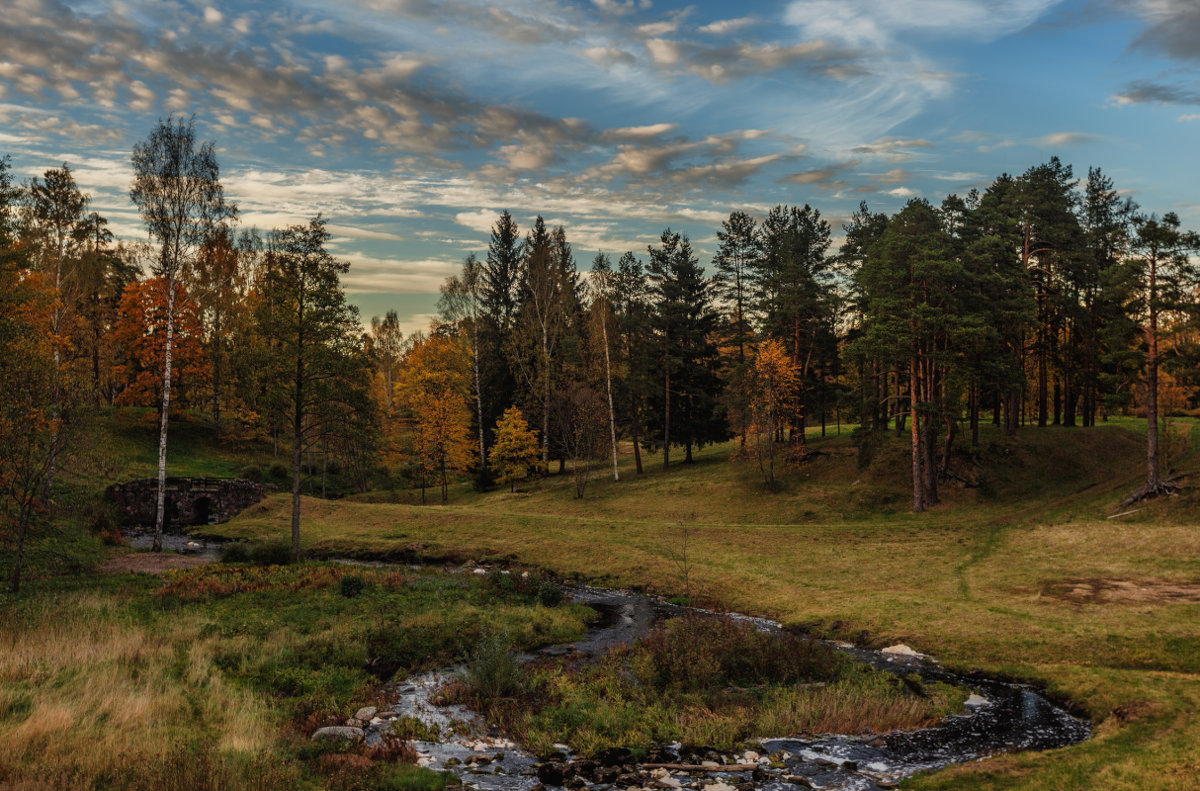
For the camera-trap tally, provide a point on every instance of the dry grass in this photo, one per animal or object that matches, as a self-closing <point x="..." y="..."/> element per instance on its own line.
<point x="87" y="696"/>
<point x="970" y="582"/>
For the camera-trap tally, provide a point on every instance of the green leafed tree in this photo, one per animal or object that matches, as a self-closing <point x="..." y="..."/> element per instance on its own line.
<point x="316" y="353"/>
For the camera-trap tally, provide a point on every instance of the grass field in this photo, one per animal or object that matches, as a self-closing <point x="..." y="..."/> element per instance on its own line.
<point x="1022" y="574"/>
<point x="1028" y="572"/>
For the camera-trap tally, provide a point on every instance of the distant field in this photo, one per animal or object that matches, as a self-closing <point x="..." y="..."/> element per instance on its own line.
<point x="1021" y="573"/>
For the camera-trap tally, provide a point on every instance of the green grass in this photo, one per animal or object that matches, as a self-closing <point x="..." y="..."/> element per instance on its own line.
<point x="982" y="581"/>
<point x="708" y="682"/>
<point x="103" y="680"/>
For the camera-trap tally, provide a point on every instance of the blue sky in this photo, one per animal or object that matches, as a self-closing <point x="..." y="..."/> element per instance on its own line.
<point x="412" y="123"/>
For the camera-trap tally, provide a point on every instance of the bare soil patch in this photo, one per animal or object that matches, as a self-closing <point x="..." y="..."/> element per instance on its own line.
<point x="1098" y="590"/>
<point x="151" y="562"/>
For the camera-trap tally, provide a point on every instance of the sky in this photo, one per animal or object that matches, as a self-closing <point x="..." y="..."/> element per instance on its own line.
<point x="410" y="124"/>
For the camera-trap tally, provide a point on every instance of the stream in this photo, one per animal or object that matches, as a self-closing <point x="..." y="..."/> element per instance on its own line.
<point x="999" y="717"/>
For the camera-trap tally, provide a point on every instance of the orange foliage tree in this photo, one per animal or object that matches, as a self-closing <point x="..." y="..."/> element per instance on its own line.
<point x="140" y="334"/>
<point x="431" y="398"/>
<point x="772" y="386"/>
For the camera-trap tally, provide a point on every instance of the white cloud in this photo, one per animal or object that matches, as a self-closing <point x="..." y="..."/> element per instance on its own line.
<point x="874" y="23"/>
<point x="723" y="26"/>
<point x="212" y="16"/>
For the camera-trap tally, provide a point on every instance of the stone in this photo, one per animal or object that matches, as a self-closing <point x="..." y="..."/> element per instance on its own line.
<point x="551" y="773"/>
<point x="900" y="649"/>
<point x="338" y="733"/>
<point x="719" y="786"/>
<point x="354" y="722"/>
<point x="366" y="713"/>
<point x="850" y="766"/>
<point x="750" y="757"/>
<point x="195" y="501"/>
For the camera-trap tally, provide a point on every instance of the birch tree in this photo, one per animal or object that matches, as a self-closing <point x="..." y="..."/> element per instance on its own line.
<point x="177" y="189"/>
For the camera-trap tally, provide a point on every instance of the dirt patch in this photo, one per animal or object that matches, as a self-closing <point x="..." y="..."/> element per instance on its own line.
<point x="151" y="563"/>
<point x="1119" y="591"/>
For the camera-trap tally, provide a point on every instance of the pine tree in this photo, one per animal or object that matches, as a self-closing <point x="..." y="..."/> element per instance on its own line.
<point x="316" y="353"/>
<point x="737" y="260"/>
<point x="685" y="325"/>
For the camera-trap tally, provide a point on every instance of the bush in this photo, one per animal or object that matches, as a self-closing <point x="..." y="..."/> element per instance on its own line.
<point x="252" y="473"/>
<point x="550" y="593"/>
<point x="279" y="472"/>
<point x="351" y="585"/>
<point x="235" y="552"/>
<point x="271" y="553"/>
<point x="696" y="653"/>
<point x="493" y="671"/>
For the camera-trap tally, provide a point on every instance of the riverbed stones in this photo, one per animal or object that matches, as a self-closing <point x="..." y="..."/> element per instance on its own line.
<point x="366" y="713"/>
<point x="338" y="733"/>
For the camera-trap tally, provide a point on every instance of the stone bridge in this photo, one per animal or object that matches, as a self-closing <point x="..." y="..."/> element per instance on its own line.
<point x="188" y="501"/>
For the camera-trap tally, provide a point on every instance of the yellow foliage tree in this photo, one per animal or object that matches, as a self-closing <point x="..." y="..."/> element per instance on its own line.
<point x="515" y="451"/>
<point x="431" y="398"/>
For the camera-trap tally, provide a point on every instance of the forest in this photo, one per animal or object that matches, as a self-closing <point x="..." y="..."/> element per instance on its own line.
<point x="1044" y="300"/>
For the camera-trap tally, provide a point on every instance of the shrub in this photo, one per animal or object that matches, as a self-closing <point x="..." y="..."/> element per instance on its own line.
<point x="235" y="552"/>
<point x="493" y="671"/>
<point x="710" y="653"/>
<point x="279" y="472"/>
<point x="550" y="593"/>
<point x="271" y="553"/>
<point x="252" y="473"/>
<point x="351" y="585"/>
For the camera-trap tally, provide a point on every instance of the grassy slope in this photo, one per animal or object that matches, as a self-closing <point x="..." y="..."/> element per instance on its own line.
<point x="974" y="581"/>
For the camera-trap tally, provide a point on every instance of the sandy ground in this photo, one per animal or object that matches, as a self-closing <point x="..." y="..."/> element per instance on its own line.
<point x="1099" y="590"/>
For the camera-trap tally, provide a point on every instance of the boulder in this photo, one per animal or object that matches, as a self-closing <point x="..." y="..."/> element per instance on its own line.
<point x="365" y="713"/>
<point x="338" y="733"/>
<point x="900" y="649"/>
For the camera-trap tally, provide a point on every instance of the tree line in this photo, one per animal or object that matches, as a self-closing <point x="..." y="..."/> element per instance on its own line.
<point x="1041" y="300"/>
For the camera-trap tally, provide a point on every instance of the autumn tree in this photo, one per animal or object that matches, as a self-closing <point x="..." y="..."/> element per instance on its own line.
<point x="771" y="386"/>
<point x="432" y="391"/>
<point x="316" y="354"/>
<point x="219" y="281"/>
<point x="140" y="336"/>
<point x="54" y="215"/>
<point x="515" y="451"/>
<point x="31" y="396"/>
<point x="177" y="190"/>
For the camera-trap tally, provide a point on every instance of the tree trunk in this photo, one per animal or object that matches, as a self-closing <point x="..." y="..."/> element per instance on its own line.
<point x="667" y="418"/>
<point x="26" y="514"/>
<point x="160" y="508"/>
<point x="297" y="445"/>
<point x="216" y="389"/>
<point x="478" y="393"/>
<point x="1152" y="477"/>
<point x="918" y="489"/>
<point x="612" y="415"/>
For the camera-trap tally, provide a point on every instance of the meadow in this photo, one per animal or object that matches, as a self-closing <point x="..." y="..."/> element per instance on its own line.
<point x="212" y="676"/>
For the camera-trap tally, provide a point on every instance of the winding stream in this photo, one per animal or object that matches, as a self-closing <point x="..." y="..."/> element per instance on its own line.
<point x="999" y="717"/>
